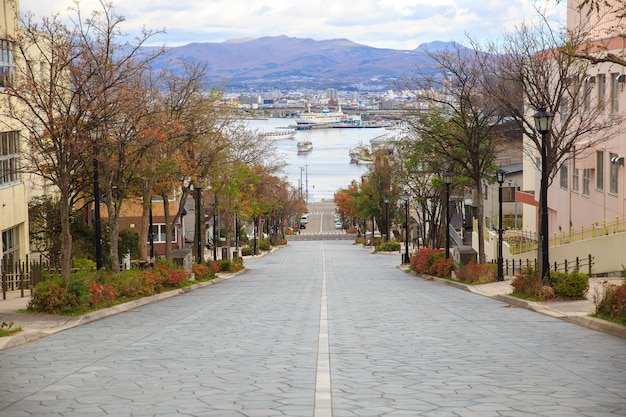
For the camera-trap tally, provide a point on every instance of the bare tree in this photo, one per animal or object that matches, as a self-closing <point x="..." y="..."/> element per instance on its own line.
<point x="59" y="97"/>
<point x="530" y="61"/>
<point x="457" y="133"/>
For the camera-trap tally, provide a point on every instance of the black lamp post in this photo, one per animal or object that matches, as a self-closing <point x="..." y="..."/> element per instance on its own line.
<point x="500" y="175"/>
<point x="96" y="199"/>
<point x="151" y="232"/>
<point x="543" y="124"/>
<point x="199" y="220"/>
<point x="405" y="197"/>
<point x="387" y="216"/>
<point x="214" y="205"/>
<point x="447" y="177"/>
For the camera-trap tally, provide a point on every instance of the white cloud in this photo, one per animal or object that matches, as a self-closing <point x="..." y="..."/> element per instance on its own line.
<point x="398" y="24"/>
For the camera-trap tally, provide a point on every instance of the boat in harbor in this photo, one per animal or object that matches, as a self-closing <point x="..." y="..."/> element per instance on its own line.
<point x="279" y="134"/>
<point x="361" y="155"/>
<point x="305" y="146"/>
<point x="325" y="118"/>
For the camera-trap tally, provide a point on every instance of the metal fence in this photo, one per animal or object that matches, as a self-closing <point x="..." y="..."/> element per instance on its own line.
<point x="585" y="265"/>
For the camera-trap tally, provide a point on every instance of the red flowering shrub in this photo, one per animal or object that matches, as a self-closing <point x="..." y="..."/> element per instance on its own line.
<point x="423" y="259"/>
<point x="202" y="271"/>
<point x="101" y="294"/>
<point x="442" y="268"/>
<point x="475" y="273"/>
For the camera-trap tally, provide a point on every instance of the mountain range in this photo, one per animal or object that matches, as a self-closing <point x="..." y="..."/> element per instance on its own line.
<point x="286" y="62"/>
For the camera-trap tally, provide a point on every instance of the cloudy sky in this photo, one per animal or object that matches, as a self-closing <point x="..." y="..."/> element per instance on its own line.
<point x="397" y="24"/>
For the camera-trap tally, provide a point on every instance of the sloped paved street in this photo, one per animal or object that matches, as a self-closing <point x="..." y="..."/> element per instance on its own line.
<point x="320" y="328"/>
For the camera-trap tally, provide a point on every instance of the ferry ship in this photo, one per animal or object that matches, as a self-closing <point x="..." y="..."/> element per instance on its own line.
<point x="326" y="118"/>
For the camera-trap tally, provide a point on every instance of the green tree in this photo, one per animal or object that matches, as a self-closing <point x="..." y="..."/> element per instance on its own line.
<point x="458" y="132"/>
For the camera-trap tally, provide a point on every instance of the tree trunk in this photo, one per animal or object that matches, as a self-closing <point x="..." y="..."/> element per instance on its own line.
<point x="480" y="209"/>
<point x="114" y="233"/>
<point x="66" y="240"/>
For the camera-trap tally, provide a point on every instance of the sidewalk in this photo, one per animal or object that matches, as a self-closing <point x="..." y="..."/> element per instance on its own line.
<point x="576" y="311"/>
<point x="36" y="326"/>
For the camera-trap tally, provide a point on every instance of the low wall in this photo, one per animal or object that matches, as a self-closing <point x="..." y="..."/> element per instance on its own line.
<point x="609" y="257"/>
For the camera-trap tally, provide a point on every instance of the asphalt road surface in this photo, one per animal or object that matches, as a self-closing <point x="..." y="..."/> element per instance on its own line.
<point x="319" y="328"/>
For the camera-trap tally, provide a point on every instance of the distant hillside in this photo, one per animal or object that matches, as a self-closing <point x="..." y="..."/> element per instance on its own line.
<point x="288" y="62"/>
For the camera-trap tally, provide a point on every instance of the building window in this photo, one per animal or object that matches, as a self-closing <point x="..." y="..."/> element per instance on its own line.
<point x="9" y="157"/>
<point x="7" y="63"/>
<point x="563" y="176"/>
<point x="158" y="231"/>
<point x="613" y="167"/>
<point x="586" y="181"/>
<point x="10" y="246"/>
<point x="600" y="170"/>
<point x="601" y="83"/>
<point x="614" y="93"/>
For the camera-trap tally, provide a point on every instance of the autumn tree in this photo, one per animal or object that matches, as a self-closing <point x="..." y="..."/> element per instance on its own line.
<point x="56" y="99"/>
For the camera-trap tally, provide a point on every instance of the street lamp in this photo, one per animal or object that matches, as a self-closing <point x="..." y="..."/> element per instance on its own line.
<point x="500" y="174"/>
<point x="214" y="206"/>
<point x="447" y="177"/>
<point x="405" y="197"/>
<point x="543" y="124"/>
<point x="387" y="216"/>
<point x="199" y="220"/>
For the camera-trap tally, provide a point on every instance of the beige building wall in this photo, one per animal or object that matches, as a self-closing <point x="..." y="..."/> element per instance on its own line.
<point x="13" y="193"/>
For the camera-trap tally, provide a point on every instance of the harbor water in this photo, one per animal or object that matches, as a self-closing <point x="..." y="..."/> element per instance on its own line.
<point x="326" y="168"/>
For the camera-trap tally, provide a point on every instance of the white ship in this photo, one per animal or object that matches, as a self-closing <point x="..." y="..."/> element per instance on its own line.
<point x="325" y="118"/>
<point x="279" y="133"/>
<point x="305" y="146"/>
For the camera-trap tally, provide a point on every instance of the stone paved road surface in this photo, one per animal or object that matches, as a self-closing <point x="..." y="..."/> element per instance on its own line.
<point x="319" y="329"/>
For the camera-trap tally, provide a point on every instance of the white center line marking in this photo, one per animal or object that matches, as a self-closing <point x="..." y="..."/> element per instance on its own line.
<point x="323" y="395"/>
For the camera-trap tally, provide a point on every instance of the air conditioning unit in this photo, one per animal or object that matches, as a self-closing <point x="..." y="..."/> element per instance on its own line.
<point x="617" y="160"/>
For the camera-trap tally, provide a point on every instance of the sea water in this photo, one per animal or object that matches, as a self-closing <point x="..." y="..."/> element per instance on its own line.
<point x="327" y="168"/>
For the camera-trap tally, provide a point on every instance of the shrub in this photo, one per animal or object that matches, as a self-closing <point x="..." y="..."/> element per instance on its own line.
<point x="391" y="246"/>
<point x="247" y="251"/>
<point x="442" y="267"/>
<point x="424" y="258"/>
<point x="264" y="244"/>
<point x="203" y="272"/>
<point x="475" y="273"/>
<point x="225" y="265"/>
<point x="572" y="285"/>
<point x="58" y="297"/>
<point x="102" y="294"/>
<point x="612" y="306"/>
<point x="48" y="297"/>
<point x="529" y="284"/>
